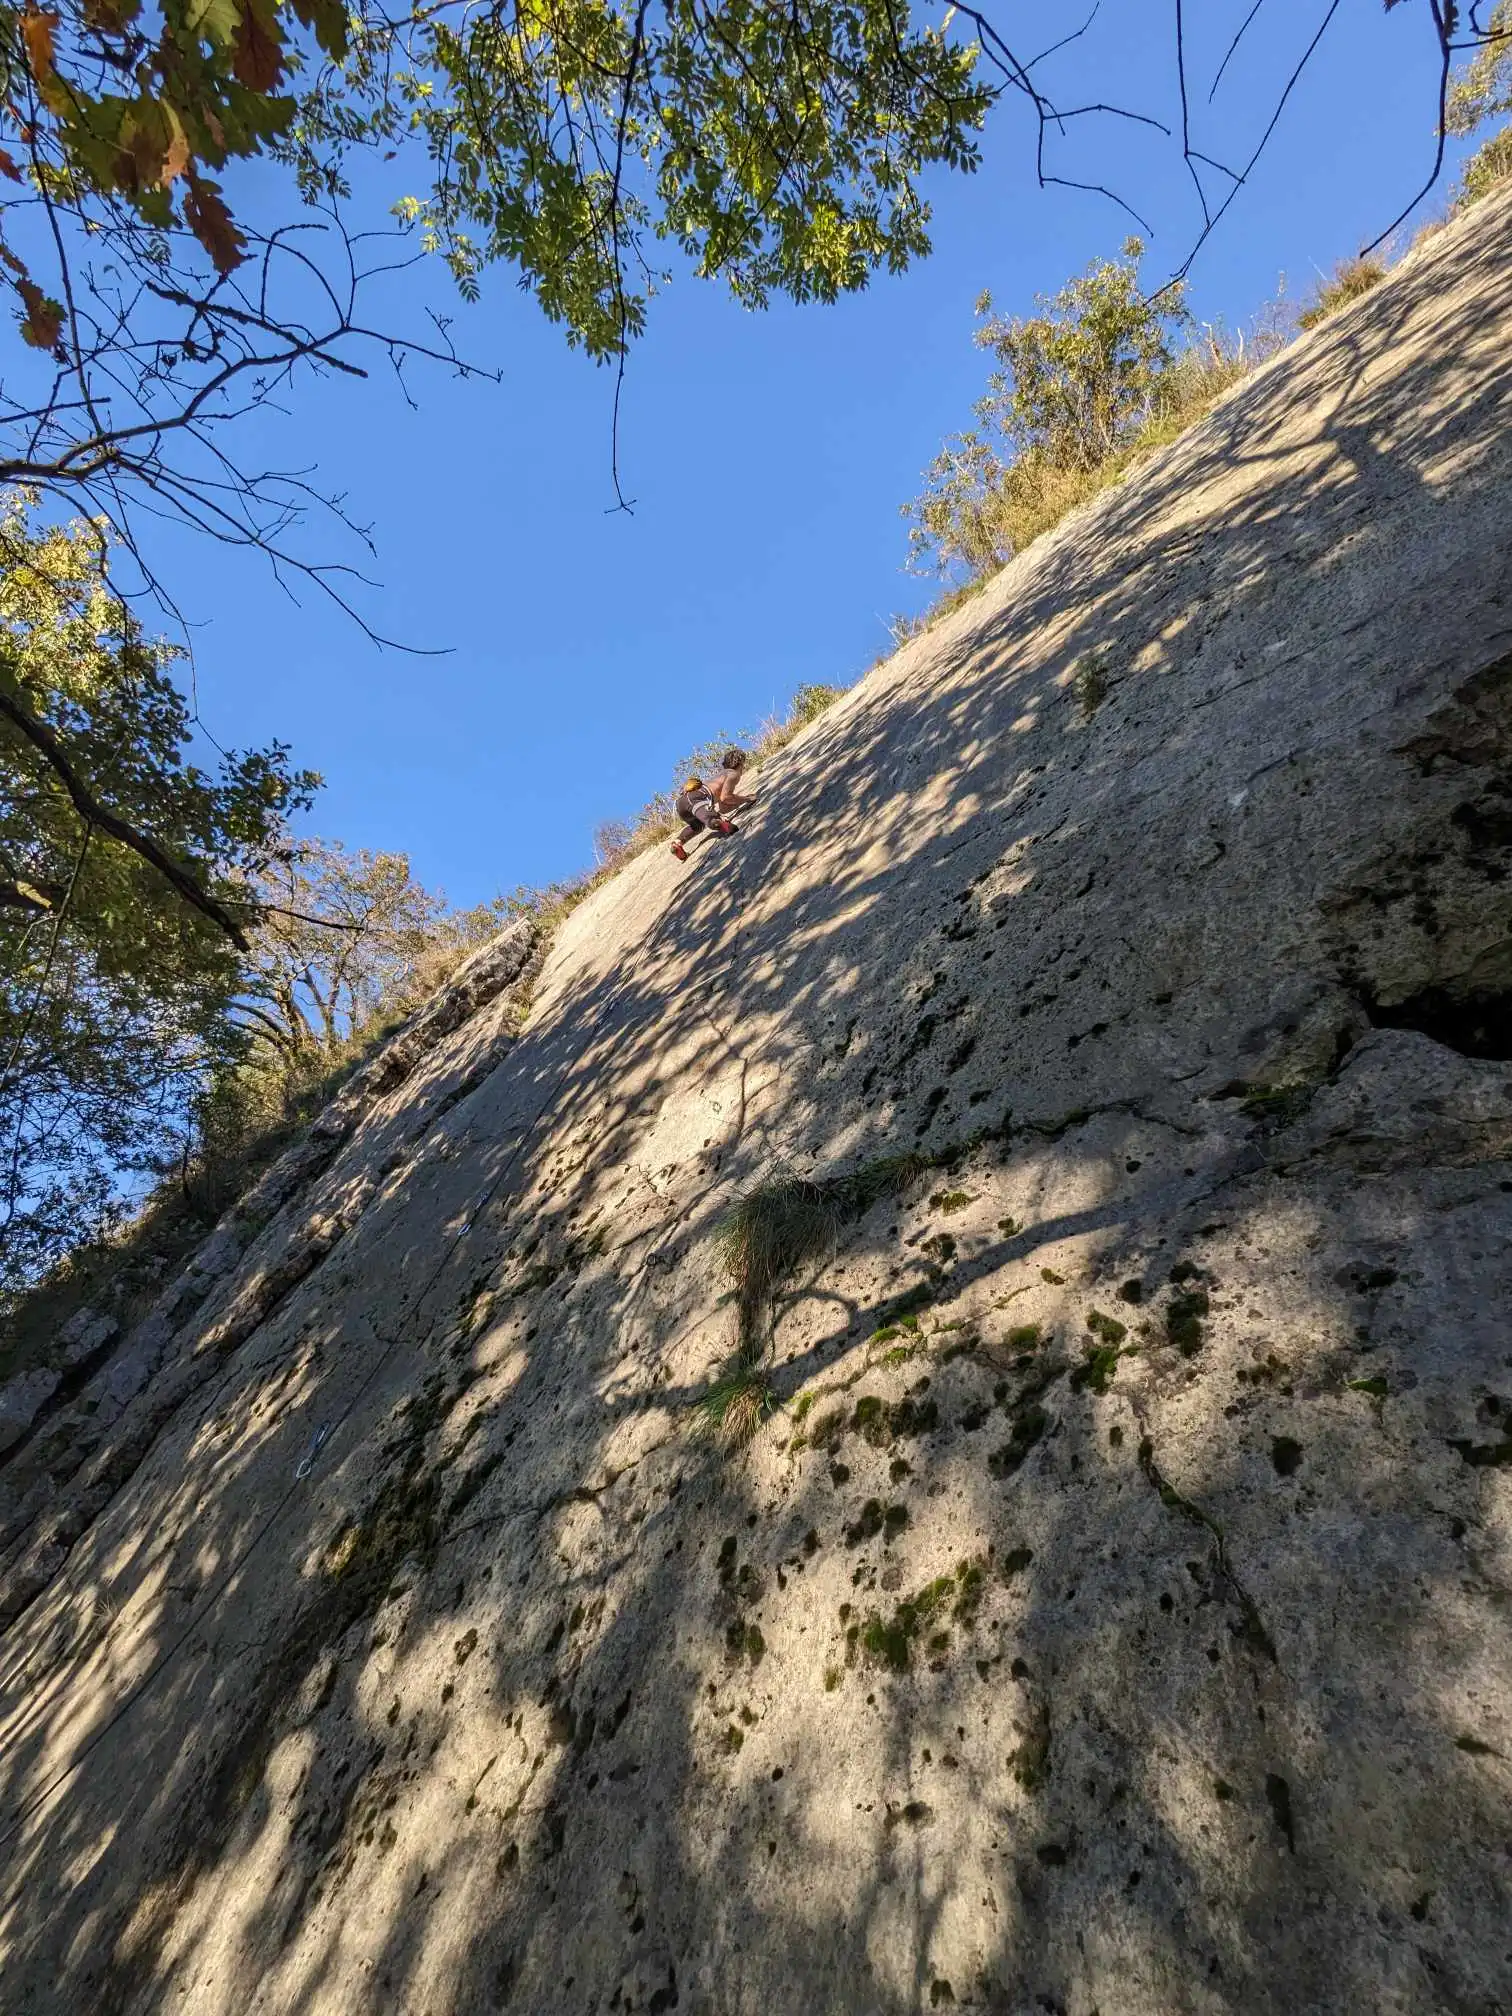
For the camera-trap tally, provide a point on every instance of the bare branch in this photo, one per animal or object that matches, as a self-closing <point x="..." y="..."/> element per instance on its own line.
<point x="1446" y="58"/>
<point x="1238" y="37"/>
<point x="1243" y="176"/>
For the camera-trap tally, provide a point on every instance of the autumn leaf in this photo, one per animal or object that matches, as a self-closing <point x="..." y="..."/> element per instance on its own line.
<point x="9" y="168"/>
<point x="37" y="26"/>
<point x="43" y="323"/>
<point x="139" y="157"/>
<point x="176" y="155"/>
<point x="210" y="221"/>
<point x="214" y="21"/>
<point x="258" y="61"/>
<point x="109" y="17"/>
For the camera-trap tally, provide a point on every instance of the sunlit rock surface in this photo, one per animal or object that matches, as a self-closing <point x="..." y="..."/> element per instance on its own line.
<point x="1126" y="1627"/>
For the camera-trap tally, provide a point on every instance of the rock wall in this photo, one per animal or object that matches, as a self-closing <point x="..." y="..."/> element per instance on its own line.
<point x="73" y="1431"/>
<point x="1111" y="1613"/>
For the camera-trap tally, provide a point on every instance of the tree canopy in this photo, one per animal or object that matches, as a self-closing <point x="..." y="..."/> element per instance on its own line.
<point x="163" y="292"/>
<point x="778" y="149"/>
<point x="113" y="984"/>
<point x="347" y="938"/>
<point x="1483" y="89"/>
<point x="1480" y="93"/>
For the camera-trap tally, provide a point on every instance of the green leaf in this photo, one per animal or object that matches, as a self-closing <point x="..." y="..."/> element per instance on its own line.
<point x="213" y="21"/>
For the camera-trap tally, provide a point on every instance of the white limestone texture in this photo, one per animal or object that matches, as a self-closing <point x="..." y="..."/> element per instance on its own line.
<point x="1111" y="1611"/>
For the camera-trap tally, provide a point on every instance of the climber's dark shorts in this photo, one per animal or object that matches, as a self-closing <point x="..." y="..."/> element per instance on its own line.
<point x="702" y="813"/>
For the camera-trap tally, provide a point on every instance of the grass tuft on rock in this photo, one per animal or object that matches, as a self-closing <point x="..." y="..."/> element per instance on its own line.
<point x="764" y="1239"/>
<point x="734" y="1407"/>
<point x="1351" y="278"/>
<point x="766" y="1236"/>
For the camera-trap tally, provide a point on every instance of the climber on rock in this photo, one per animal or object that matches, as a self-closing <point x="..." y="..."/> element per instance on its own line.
<point x="699" y="812"/>
<point x="728" y="799"/>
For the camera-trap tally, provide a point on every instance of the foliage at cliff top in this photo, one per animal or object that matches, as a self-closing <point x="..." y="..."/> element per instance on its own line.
<point x="1072" y="387"/>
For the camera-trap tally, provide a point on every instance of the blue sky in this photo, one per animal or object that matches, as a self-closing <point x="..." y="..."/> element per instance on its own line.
<point x="767" y="456"/>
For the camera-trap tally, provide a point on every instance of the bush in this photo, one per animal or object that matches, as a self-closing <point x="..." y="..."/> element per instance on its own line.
<point x="1482" y="92"/>
<point x="1487" y="166"/>
<point x="1084" y="390"/>
<point x="808" y="703"/>
<point x="1072" y="386"/>
<point x="1351" y="279"/>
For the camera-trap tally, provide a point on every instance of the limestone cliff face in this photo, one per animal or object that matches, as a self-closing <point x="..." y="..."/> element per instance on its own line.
<point x="1125" y="1628"/>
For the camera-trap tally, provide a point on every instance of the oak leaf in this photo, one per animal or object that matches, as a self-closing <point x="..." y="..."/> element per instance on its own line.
<point x="110" y="17"/>
<point x="329" y="20"/>
<point x="176" y="155"/>
<point x="213" y="21"/>
<point x="258" y="60"/>
<point x="211" y="222"/>
<point x="37" y="26"/>
<point x="139" y="161"/>
<point x="43" y="322"/>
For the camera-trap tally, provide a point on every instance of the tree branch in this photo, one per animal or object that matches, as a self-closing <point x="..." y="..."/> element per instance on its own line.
<point x="1446" y="58"/>
<point x="94" y="813"/>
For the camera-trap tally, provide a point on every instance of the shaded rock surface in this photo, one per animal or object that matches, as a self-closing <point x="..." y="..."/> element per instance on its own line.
<point x="1113" y="1615"/>
<point x="282" y="1229"/>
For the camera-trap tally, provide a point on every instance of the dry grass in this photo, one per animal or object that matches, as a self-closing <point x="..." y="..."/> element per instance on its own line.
<point x="762" y="1241"/>
<point x="1488" y="167"/>
<point x="657" y="820"/>
<point x="885" y="1176"/>
<point x="619" y="842"/>
<point x="767" y="1236"/>
<point x="1351" y="279"/>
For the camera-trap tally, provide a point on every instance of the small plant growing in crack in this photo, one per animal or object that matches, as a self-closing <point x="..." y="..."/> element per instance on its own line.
<point x="766" y="1236"/>
<point x="1277" y="1106"/>
<point x="770" y="1233"/>
<point x="737" y="1403"/>
<point x="1090" y="682"/>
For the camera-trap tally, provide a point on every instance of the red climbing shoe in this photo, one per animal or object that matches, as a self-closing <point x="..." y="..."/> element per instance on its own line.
<point x="728" y="826"/>
<point x="679" y="850"/>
